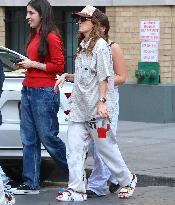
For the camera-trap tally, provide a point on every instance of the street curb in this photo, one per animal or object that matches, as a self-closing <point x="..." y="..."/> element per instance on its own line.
<point x="148" y="180"/>
<point x="143" y="180"/>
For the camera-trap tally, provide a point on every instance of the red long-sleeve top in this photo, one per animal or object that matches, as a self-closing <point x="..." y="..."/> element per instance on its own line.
<point x="54" y="61"/>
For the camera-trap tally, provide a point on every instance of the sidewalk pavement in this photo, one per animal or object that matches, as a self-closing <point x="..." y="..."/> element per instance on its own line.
<point x="148" y="150"/>
<point x="157" y="195"/>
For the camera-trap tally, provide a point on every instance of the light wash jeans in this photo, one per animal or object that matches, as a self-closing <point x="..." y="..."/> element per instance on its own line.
<point x="2" y="194"/>
<point x="97" y="182"/>
<point x="39" y="124"/>
<point x="5" y="180"/>
<point x="3" y="176"/>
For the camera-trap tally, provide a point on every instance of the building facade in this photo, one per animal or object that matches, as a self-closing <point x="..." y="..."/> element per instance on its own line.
<point x="124" y="17"/>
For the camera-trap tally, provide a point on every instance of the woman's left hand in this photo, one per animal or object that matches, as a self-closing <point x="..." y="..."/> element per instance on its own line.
<point x="26" y="63"/>
<point x="102" y="110"/>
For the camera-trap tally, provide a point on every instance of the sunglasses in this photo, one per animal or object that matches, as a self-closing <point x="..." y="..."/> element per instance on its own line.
<point x="81" y="19"/>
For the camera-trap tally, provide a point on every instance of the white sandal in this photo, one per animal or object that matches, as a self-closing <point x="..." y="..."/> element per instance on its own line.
<point x="71" y="195"/>
<point x="127" y="191"/>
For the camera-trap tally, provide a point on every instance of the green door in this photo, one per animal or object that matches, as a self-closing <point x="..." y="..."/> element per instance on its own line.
<point x="16" y="28"/>
<point x="70" y="42"/>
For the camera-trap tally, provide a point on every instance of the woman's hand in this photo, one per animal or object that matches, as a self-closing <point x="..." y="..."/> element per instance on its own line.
<point x="101" y="110"/>
<point x="26" y="63"/>
<point x="60" y="82"/>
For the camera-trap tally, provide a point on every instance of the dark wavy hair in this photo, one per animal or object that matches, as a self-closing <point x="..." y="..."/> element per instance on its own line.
<point x="104" y="22"/>
<point x="48" y="25"/>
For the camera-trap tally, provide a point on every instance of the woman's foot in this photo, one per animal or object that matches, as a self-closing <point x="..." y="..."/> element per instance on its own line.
<point x="127" y="191"/>
<point x="10" y="199"/>
<point x="71" y="195"/>
<point x="92" y="194"/>
<point x="113" y="188"/>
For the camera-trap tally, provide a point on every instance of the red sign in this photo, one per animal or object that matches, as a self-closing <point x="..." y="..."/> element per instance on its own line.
<point x="150" y="30"/>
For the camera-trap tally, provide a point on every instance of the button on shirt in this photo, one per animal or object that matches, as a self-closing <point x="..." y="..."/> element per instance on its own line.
<point x="89" y="71"/>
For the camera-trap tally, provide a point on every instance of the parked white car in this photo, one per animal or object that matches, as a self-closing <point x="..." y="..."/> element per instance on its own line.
<point x="10" y="142"/>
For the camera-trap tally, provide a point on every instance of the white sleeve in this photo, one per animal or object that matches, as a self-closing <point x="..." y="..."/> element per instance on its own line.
<point x="103" y="63"/>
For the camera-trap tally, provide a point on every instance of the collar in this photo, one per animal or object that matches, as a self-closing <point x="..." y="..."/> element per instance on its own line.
<point x="84" y="44"/>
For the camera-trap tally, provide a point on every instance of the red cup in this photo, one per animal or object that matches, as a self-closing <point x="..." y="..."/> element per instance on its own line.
<point x="101" y="132"/>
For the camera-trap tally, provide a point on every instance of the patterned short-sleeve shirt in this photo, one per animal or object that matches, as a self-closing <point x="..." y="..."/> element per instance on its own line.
<point x="89" y="71"/>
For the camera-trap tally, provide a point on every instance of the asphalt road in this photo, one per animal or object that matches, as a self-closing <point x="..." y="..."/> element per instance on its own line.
<point x="152" y="195"/>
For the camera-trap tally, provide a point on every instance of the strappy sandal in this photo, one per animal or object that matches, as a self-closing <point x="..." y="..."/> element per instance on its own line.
<point x="71" y="195"/>
<point x="127" y="191"/>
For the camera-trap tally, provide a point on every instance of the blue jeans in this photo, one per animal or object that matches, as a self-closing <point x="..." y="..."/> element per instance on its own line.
<point x="39" y="124"/>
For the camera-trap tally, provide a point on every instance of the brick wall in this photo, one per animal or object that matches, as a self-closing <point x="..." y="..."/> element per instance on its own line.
<point x="124" y="23"/>
<point x="2" y="27"/>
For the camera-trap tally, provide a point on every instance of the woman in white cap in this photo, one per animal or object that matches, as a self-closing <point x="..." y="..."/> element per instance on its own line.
<point x="100" y="175"/>
<point x="92" y="106"/>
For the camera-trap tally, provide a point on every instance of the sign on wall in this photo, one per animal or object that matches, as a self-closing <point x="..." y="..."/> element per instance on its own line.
<point x="149" y="51"/>
<point x="150" y="30"/>
<point x="149" y="37"/>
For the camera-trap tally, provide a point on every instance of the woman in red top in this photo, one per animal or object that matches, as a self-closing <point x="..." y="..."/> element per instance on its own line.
<point x="39" y="102"/>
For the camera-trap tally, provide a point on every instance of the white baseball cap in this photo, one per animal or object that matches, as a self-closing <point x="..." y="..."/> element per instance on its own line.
<point x="86" y="12"/>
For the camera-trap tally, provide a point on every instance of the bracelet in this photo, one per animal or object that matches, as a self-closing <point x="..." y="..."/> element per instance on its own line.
<point x="38" y="66"/>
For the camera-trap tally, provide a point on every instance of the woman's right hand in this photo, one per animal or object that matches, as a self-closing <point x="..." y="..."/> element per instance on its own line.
<point x="60" y="82"/>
